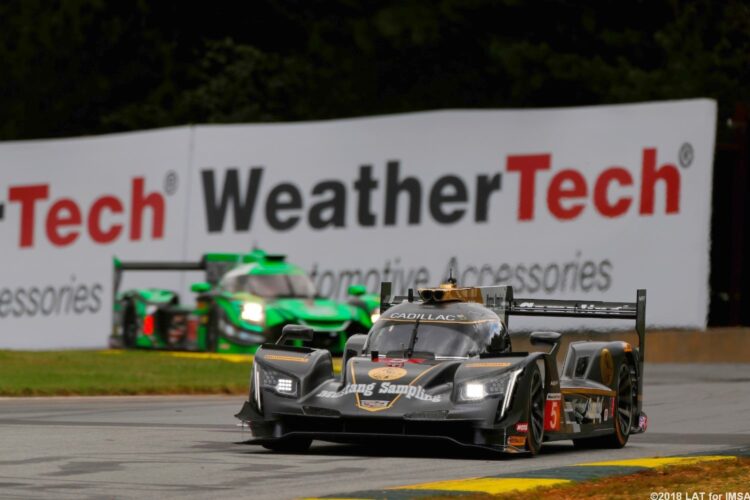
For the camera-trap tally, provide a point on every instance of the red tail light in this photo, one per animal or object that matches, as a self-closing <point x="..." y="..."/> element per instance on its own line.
<point x="148" y="325"/>
<point x="192" y="328"/>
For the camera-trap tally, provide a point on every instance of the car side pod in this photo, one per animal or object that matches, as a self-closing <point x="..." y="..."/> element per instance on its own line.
<point x="546" y="338"/>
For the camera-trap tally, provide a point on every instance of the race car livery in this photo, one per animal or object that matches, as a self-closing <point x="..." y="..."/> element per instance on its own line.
<point x="245" y="301"/>
<point x="441" y="366"/>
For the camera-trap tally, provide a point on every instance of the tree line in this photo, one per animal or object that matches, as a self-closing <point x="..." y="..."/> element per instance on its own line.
<point x="77" y="67"/>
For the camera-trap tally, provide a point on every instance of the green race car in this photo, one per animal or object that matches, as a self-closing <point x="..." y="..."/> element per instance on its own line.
<point x="245" y="301"/>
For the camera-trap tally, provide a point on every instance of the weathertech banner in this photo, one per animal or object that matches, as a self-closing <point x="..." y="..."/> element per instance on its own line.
<point x="67" y="207"/>
<point x="587" y="203"/>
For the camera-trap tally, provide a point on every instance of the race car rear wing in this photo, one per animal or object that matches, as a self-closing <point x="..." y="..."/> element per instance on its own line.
<point x="120" y="267"/>
<point x="215" y="264"/>
<point x="501" y="300"/>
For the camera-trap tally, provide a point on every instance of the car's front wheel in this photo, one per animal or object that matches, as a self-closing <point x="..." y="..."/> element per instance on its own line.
<point x="535" y="428"/>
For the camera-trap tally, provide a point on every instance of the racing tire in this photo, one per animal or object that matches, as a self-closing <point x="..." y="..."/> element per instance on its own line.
<point x="212" y="331"/>
<point x="625" y="412"/>
<point x="289" y="445"/>
<point x="535" y="428"/>
<point x="129" y="325"/>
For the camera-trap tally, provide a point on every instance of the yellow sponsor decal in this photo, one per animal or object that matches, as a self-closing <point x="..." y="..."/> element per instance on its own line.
<point x="278" y="357"/>
<point x="488" y="365"/>
<point x="387" y="373"/>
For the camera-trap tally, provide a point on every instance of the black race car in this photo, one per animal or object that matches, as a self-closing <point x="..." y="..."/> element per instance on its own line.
<point x="441" y="366"/>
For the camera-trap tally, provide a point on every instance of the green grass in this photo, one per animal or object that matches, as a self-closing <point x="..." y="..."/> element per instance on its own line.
<point x="62" y="373"/>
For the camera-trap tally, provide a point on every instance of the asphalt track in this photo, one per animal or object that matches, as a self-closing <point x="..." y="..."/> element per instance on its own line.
<point x="181" y="447"/>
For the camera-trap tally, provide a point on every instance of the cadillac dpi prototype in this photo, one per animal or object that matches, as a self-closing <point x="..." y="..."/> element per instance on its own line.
<point x="441" y="367"/>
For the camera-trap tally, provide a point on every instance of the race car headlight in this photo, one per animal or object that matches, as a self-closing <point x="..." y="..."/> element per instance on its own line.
<point x="280" y="383"/>
<point x="375" y="315"/>
<point x="285" y="385"/>
<point x="476" y="390"/>
<point x="253" y="312"/>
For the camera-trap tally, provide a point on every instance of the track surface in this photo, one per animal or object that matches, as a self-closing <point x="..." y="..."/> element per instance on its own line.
<point x="169" y="447"/>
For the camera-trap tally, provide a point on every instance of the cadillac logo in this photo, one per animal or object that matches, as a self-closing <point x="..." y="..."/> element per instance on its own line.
<point x="374" y="404"/>
<point x="387" y="373"/>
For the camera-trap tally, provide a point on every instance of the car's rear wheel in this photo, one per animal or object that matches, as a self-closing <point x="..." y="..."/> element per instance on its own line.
<point x="212" y="330"/>
<point x="625" y="410"/>
<point x="129" y="324"/>
<point x="535" y="430"/>
<point x="289" y="445"/>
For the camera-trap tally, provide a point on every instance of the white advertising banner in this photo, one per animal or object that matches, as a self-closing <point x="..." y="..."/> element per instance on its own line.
<point x="68" y="207"/>
<point x="587" y="203"/>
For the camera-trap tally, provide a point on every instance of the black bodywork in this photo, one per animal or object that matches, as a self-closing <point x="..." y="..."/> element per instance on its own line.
<point x="485" y="395"/>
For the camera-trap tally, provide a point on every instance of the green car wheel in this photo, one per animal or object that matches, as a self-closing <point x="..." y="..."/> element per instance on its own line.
<point x="212" y="330"/>
<point x="129" y="324"/>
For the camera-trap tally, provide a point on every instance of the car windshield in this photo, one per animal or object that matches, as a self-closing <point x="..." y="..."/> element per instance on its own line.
<point x="438" y="339"/>
<point x="271" y="285"/>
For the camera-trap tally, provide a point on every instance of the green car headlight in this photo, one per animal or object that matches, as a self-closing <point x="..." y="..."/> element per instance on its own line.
<point x="253" y="312"/>
<point x="375" y="315"/>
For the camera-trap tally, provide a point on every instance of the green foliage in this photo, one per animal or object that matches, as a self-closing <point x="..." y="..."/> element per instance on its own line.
<point x="89" y="66"/>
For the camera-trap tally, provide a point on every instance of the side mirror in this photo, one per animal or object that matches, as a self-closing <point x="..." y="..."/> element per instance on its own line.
<point x="354" y="347"/>
<point x="547" y="338"/>
<point x="200" y="287"/>
<point x="357" y="290"/>
<point x="295" y="332"/>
